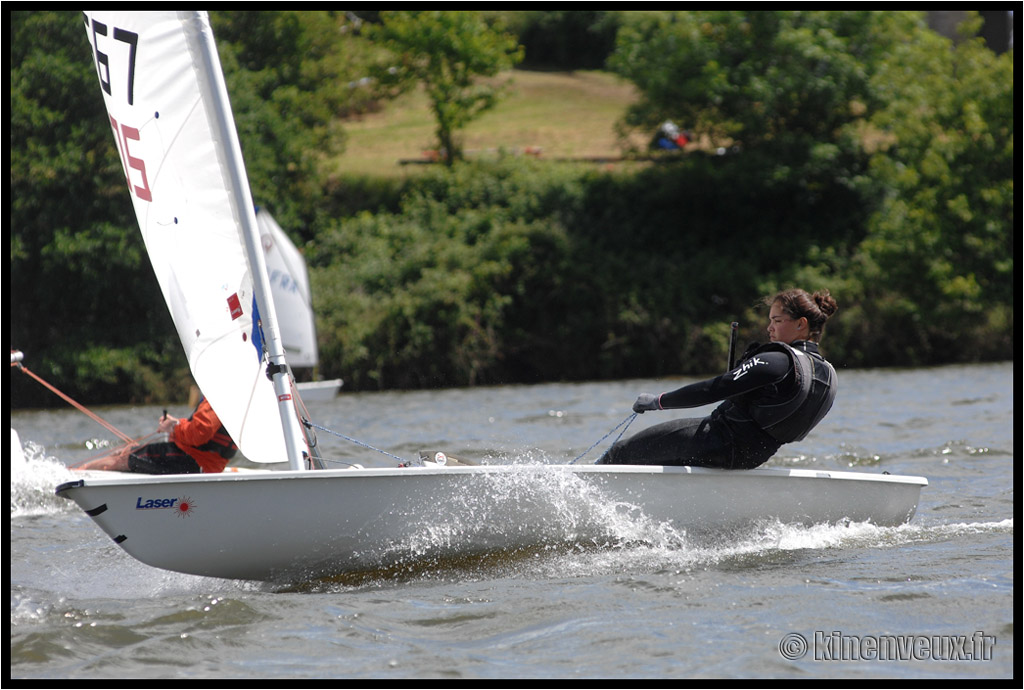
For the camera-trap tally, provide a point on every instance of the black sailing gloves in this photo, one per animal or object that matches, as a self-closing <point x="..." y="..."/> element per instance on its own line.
<point x="646" y="402"/>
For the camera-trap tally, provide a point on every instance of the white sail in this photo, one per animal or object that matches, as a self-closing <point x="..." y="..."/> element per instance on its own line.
<point x="161" y="83"/>
<point x="293" y="299"/>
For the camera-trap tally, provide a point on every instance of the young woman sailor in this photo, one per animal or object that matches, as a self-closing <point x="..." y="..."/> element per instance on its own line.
<point x="776" y="394"/>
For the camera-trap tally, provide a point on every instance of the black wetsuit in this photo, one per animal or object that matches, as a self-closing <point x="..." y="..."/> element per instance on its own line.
<point x="729" y="437"/>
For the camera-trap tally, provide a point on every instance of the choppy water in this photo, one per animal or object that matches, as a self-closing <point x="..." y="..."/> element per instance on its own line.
<point x="941" y="586"/>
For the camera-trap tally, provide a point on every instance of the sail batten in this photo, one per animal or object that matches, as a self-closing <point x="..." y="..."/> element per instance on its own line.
<point x="168" y="108"/>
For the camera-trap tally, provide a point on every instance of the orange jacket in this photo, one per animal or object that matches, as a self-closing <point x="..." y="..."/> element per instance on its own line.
<point x="205" y="439"/>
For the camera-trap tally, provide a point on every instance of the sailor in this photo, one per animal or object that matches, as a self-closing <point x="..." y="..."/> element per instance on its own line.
<point x="776" y="394"/>
<point x="197" y="444"/>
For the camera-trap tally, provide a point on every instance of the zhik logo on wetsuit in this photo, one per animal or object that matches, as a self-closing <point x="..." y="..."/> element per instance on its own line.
<point x="747" y="366"/>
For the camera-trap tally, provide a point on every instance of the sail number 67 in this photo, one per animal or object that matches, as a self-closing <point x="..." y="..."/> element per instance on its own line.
<point x="122" y="133"/>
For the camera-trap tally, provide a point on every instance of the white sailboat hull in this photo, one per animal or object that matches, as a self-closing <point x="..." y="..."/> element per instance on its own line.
<point x="270" y="525"/>
<point x="319" y="391"/>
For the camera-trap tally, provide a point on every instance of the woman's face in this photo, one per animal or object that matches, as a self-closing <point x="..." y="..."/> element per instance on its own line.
<point x="784" y="329"/>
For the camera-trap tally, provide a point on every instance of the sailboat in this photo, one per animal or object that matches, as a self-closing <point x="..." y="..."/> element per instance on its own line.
<point x="293" y="302"/>
<point x="169" y="110"/>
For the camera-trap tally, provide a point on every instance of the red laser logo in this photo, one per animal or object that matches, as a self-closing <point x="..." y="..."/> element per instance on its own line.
<point x="184" y="507"/>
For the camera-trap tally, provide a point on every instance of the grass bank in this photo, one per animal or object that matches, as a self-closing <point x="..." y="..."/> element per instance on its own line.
<point x="554" y="114"/>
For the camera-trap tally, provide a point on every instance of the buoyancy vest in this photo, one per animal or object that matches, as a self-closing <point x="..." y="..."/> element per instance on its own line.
<point x="791" y="418"/>
<point x="222" y="444"/>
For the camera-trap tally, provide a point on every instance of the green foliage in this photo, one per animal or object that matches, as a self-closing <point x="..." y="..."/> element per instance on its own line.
<point x="874" y="159"/>
<point x="423" y="297"/>
<point x="522" y="271"/>
<point x="786" y="82"/>
<point x="292" y="77"/>
<point x="866" y="155"/>
<point x="447" y="52"/>
<point x="566" y="39"/>
<point x="73" y="251"/>
<point x="939" y="254"/>
<point x="80" y="280"/>
<point x="919" y="130"/>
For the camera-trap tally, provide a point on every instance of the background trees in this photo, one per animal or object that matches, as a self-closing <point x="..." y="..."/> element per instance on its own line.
<point x="70" y="255"/>
<point x="888" y="149"/>
<point x="863" y="152"/>
<point x="937" y="263"/>
<point x="84" y="304"/>
<point x="292" y="77"/>
<point x="447" y="53"/>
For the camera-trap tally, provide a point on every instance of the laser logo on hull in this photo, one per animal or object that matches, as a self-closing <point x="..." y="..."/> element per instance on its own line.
<point x="182" y="506"/>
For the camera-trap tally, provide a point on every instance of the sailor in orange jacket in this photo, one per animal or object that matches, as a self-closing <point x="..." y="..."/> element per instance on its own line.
<point x="197" y="444"/>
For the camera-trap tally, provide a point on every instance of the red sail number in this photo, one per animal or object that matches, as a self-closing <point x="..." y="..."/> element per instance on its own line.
<point x="122" y="134"/>
<point x="123" y="40"/>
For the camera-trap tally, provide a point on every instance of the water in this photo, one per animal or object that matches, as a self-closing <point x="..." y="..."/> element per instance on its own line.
<point x="941" y="585"/>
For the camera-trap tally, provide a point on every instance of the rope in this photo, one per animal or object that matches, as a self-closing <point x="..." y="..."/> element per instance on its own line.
<point x="627" y="421"/>
<point x="127" y="439"/>
<point x="357" y="442"/>
<point x="315" y="460"/>
<point x="106" y="425"/>
<point x="129" y="447"/>
<point x="624" y="424"/>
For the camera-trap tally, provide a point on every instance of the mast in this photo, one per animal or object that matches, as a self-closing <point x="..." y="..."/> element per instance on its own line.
<point x="244" y="210"/>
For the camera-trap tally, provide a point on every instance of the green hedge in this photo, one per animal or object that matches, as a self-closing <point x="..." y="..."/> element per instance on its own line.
<point x="522" y="271"/>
